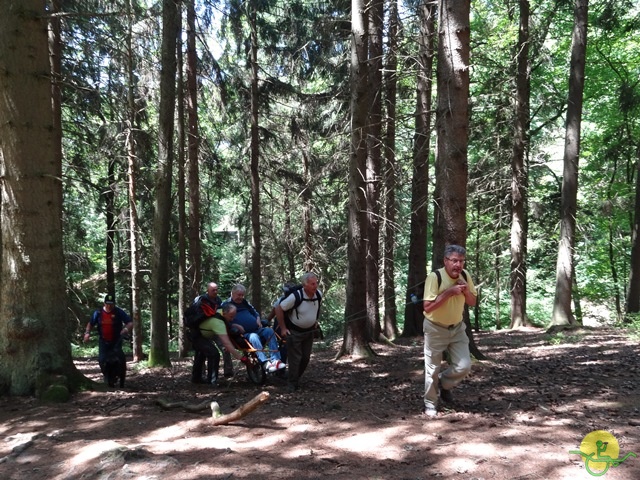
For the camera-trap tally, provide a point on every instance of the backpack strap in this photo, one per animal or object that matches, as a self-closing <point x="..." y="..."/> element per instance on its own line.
<point x="437" y="272"/>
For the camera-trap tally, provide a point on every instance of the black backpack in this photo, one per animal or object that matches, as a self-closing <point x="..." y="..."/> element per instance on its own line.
<point x="296" y="290"/>
<point x="197" y="312"/>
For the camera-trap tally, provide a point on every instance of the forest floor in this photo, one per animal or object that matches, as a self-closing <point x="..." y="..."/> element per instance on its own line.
<point x="517" y="416"/>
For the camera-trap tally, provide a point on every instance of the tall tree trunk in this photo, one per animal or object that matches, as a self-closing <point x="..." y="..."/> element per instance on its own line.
<point x="111" y="220"/>
<point x="307" y="199"/>
<point x="390" y="325"/>
<point x="520" y="175"/>
<point x="562" y="314"/>
<point x="355" y="338"/>
<point x="34" y="331"/>
<point x="132" y="175"/>
<point x="288" y="237"/>
<point x="256" y="268"/>
<point x="413" y="316"/>
<point x="374" y="148"/>
<point x="185" y="294"/>
<point x="193" y="145"/>
<point x="159" y="351"/>
<point x="633" y="295"/>
<point x="452" y="125"/>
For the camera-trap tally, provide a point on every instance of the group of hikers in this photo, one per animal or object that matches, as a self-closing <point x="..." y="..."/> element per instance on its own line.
<point x="214" y="326"/>
<point x="213" y="323"/>
<point x="286" y="348"/>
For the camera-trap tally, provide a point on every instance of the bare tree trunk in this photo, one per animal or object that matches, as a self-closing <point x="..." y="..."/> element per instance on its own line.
<point x="132" y="175"/>
<point x="390" y="325"/>
<point x="193" y="145"/>
<point x="288" y="240"/>
<point x="307" y="199"/>
<point x="34" y="340"/>
<point x="374" y="147"/>
<point x="355" y="339"/>
<point x="520" y="176"/>
<point x="159" y="351"/>
<point x="562" y="314"/>
<point x="413" y="316"/>
<point x="256" y="270"/>
<point x="452" y="125"/>
<point x="184" y="296"/>
<point x="110" y="218"/>
<point x="633" y="295"/>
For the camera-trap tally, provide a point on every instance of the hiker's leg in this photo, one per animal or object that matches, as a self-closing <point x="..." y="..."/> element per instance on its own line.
<point x="254" y="340"/>
<point x="269" y="338"/>
<point x="460" y="358"/>
<point x="213" y="361"/>
<point x="306" y="346"/>
<point x="294" y="354"/>
<point x="226" y="358"/>
<point x="435" y="342"/>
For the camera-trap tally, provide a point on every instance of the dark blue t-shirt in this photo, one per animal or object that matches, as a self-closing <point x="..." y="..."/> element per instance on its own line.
<point x="246" y="316"/>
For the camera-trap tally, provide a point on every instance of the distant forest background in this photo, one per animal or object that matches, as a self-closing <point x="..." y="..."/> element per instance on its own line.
<point x="226" y="128"/>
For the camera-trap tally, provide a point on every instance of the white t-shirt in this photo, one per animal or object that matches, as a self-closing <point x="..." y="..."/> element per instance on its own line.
<point x="306" y="315"/>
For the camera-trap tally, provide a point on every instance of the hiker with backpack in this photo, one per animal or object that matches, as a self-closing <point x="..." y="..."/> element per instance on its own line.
<point x="446" y="291"/>
<point x="112" y="323"/>
<point x="212" y="299"/>
<point x="297" y="317"/>
<point x="249" y="324"/>
<point x="214" y="329"/>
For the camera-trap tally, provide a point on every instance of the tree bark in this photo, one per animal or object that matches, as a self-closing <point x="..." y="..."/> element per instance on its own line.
<point x="373" y="184"/>
<point x="185" y="294"/>
<point x="390" y="325"/>
<point x="633" y="295"/>
<point x="452" y="125"/>
<point x="132" y="175"/>
<point x="256" y="269"/>
<point x="159" y="351"/>
<point x="193" y="149"/>
<point x="355" y="339"/>
<point x="413" y="316"/>
<point x="520" y="175"/>
<point x="34" y="333"/>
<point x="562" y="314"/>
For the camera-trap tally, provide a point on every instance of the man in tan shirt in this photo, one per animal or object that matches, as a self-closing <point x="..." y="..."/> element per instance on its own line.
<point x="446" y="291"/>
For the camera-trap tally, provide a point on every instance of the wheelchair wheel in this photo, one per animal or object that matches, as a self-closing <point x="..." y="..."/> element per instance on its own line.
<point x="255" y="371"/>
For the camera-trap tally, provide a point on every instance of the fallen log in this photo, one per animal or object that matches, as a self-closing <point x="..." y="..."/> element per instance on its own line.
<point x="216" y="414"/>
<point x="238" y="413"/>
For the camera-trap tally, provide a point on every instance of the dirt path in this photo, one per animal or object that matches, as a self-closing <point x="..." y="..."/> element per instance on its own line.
<point x="516" y="417"/>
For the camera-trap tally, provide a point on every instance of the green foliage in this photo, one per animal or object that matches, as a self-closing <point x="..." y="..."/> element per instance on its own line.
<point x="303" y="57"/>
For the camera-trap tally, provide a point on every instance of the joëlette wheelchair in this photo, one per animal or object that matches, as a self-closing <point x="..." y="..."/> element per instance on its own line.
<point x="255" y="369"/>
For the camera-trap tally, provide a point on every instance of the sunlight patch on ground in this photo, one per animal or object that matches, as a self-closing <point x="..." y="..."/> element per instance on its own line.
<point x="94" y="451"/>
<point x="179" y="430"/>
<point x="478" y="449"/>
<point x="373" y="443"/>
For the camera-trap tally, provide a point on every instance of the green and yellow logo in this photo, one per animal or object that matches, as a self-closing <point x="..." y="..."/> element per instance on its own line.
<point x="600" y="450"/>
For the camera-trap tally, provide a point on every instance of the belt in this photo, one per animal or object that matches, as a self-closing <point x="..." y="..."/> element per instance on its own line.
<point x="448" y="327"/>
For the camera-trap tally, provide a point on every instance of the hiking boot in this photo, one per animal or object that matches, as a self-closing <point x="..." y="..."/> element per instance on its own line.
<point x="429" y="410"/>
<point x="445" y="394"/>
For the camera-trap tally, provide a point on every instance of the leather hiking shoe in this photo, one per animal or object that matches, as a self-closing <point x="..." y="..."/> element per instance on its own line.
<point x="445" y="395"/>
